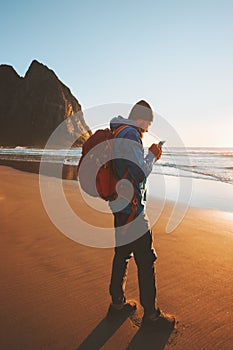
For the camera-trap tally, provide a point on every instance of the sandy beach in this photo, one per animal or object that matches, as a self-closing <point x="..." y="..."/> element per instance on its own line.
<point x="54" y="291"/>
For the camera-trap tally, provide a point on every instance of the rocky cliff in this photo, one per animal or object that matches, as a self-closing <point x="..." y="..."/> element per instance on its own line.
<point x="31" y="107"/>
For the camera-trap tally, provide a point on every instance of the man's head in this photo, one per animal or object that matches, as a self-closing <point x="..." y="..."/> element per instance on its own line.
<point x="142" y="114"/>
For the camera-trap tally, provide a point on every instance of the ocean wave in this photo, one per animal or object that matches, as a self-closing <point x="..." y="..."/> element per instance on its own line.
<point x="197" y="166"/>
<point x="198" y="154"/>
<point x="175" y="165"/>
<point x="196" y="175"/>
<point x="196" y="163"/>
<point x="194" y="171"/>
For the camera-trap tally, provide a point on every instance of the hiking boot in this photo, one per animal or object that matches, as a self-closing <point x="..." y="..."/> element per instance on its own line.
<point x="126" y="307"/>
<point x="158" y="319"/>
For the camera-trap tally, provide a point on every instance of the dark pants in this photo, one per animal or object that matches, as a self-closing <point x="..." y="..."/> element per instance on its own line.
<point x="144" y="256"/>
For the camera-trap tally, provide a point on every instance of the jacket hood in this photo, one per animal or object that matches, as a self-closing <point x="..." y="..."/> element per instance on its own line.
<point x="118" y="121"/>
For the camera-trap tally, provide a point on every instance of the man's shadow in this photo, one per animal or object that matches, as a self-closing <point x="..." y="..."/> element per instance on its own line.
<point x="102" y="332"/>
<point x="148" y="339"/>
<point x="145" y="338"/>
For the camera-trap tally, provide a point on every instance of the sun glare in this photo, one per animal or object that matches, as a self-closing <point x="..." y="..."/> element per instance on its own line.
<point x="148" y="139"/>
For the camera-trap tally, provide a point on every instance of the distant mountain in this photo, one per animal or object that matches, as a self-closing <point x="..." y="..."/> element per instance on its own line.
<point x="31" y="107"/>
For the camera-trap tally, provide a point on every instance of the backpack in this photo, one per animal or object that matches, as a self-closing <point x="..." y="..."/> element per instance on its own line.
<point x="104" y="185"/>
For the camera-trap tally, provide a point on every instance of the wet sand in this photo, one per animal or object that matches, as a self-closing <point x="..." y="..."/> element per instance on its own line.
<point x="54" y="291"/>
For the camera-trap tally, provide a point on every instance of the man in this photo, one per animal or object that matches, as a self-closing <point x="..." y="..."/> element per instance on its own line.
<point x="133" y="234"/>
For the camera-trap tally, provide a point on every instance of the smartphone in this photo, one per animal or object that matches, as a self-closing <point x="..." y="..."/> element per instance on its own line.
<point x="161" y="143"/>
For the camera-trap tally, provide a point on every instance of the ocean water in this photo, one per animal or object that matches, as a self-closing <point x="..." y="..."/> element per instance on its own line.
<point x="200" y="163"/>
<point x="178" y="171"/>
<point x="214" y="164"/>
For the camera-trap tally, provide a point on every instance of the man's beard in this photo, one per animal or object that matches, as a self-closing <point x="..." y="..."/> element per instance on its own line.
<point x="142" y="132"/>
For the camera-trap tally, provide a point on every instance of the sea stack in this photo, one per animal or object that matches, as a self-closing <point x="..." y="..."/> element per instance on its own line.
<point x="31" y="107"/>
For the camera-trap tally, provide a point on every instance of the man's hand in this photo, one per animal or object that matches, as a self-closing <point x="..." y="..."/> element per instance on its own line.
<point x="156" y="150"/>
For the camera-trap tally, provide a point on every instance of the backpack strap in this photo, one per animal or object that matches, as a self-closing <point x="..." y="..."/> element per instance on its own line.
<point x="117" y="131"/>
<point x="134" y="201"/>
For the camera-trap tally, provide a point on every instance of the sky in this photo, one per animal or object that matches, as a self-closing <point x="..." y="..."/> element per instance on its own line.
<point x="176" y="54"/>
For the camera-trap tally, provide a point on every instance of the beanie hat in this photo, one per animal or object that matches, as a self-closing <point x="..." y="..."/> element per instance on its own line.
<point x="141" y="110"/>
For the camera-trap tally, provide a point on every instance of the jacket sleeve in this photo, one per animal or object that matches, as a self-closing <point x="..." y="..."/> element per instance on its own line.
<point x="139" y="167"/>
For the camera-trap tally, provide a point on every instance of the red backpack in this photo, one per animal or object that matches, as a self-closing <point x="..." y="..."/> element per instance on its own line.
<point x="104" y="185"/>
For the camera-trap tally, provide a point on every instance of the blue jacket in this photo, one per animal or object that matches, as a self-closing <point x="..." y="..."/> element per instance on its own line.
<point x="130" y="156"/>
